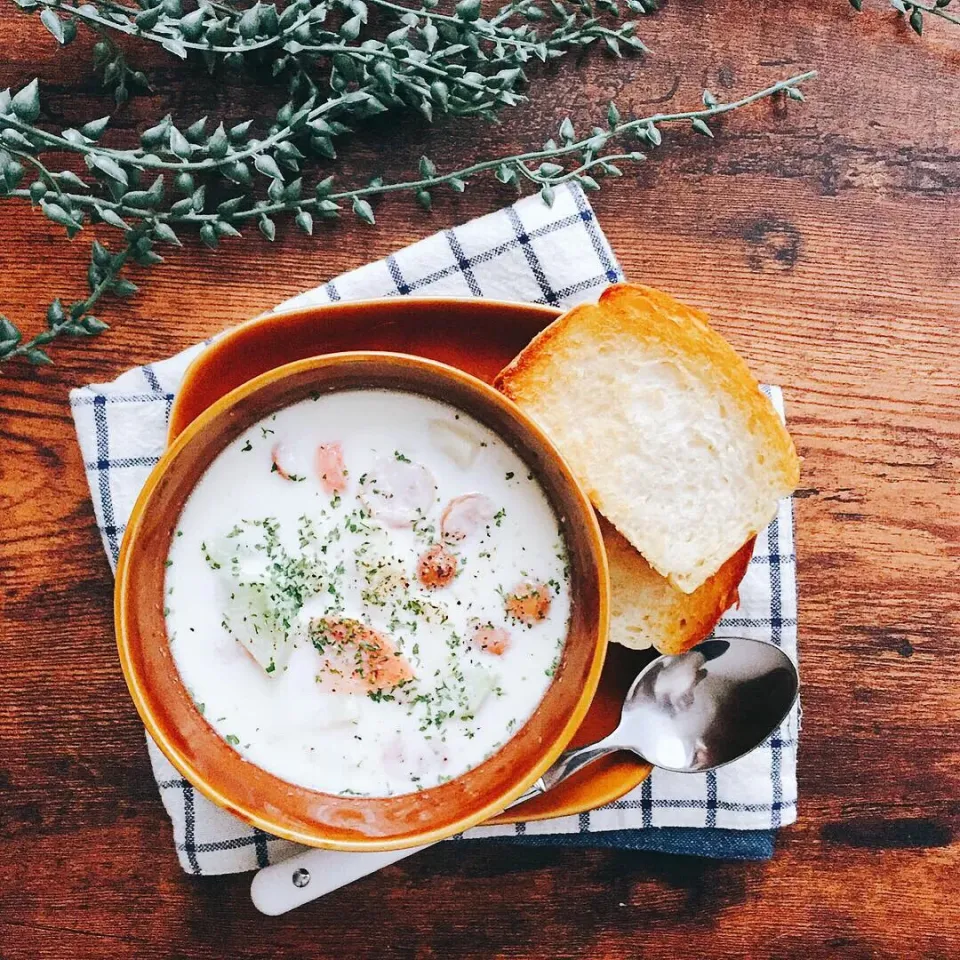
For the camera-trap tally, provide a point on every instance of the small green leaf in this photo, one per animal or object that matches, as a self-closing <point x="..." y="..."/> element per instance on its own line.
<point x="69" y="178"/>
<point x="428" y="168"/>
<point x="152" y="137"/>
<point x="113" y="218"/>
<point x="916" y="21"/>
<point x="701" y="127"/>
<point x="383" y="72"/>
<point x="857" y="5"/>
<point x="58" y="215"/>
<point x="588" y="183"/>
<point x="898" y="5"/>
<point x="304" y="221"/>
<point x="179" y="145"/>
<point x="324" y="187"/>
<point x="267" y="227"/>
<point x="92" y="325"/>
<point x="148" y="19"/>
<point x="547" y="194"/>
<point x="183" y="182"/>
<point x="548" y="169"/>
<point x="238" y="172"/>
<point x="468" y="10"/>
<point x="94" y="129"/>
<point x="653" y="135"/>
<point x="26" y="102"/>
<point x="196" y="131"/>
<point x="191" y="25"/>
<point x="54" y="24"/>
<point x="238" y="132"/>
<point x="613" y="115"/>
<point x="430" y="34"/>
<point x="267" y="166"/>
<point x="794" y="93"/>
<point x="424" y="199"/>
<point x="124" y="288"/>
<point x="363" y="210"/>
<point x="457" y="185"/>
<point x="37" y="191"/>
<point x="231" y="206"/>
<point x="566" y="131"/>
<point x="101" y="255"/>
<point x="324" y="147"/>
<point x="166" y="233"/>
<point x="9" y="334"/>
<point x="175" y="47"/>
<point x="13" y="173"/>
<point x="55" y="313"/>
<point x="218" y="144"/>
<point x="350" y="29"/>
<point x="249" y="24"/>
<point x="140" y="199"/>
<point x="709" y="100"/>
<point x="109" y="166"/>
<point x="209" y="236"/>
<point x="225" y="229"/>
<point x="37" y="357"/>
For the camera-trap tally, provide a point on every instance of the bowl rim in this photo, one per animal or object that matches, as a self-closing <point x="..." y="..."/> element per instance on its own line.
<point x="259" y="817"/>
<point x="329" y="310"/>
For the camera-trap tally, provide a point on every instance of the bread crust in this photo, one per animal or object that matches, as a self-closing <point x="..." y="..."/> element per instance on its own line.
<point x="654" y="324"/>
<point x="647" y="610"/>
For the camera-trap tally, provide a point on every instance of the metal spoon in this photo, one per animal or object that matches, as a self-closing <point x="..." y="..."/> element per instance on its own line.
<point x="689" y="713"/>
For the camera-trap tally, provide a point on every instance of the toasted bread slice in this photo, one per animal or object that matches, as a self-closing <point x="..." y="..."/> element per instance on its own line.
<point x="646" y="610"/>
<point x="662" y="423"/>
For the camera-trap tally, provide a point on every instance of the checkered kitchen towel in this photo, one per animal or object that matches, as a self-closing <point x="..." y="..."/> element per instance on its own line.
<point x="528" y="251"/>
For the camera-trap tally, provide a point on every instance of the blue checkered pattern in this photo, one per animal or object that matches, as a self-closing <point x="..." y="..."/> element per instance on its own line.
<point x="530" y="252"/>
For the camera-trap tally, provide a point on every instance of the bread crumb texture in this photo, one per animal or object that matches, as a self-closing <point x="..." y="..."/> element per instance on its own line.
<point x="665" y="428"/>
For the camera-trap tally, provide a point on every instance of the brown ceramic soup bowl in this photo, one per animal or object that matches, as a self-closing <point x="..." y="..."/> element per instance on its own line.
<point x="263" y="799"/>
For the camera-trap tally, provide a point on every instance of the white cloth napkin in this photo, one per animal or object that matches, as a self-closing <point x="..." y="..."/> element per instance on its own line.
<point x="528" y="251"/>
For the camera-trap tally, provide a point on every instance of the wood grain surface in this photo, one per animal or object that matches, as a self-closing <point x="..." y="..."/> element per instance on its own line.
<point x="825" y="241"/>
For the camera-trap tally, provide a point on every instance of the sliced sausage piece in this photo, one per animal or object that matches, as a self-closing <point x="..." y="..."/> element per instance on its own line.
<point x="357" y="658"/>
<point x="464" y="516"/>
<point x="398" y="492"/>
<point x="437" y="567"/>
<point x="328" y="461"/>
<point x="491" y="639"/>
<point x="529" y="603"/>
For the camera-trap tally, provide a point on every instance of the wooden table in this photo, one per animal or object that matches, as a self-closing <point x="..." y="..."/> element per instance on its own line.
<point x="825" y="241"/>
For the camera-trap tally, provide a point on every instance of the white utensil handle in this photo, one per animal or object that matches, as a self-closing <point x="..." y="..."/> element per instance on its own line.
<point x="284" y="886"/>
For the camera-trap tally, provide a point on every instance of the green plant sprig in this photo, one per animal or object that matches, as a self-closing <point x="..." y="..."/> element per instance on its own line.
<point x="914" y="11"/>
<point x="265" y="35"/>
<point x="145" y="218"/>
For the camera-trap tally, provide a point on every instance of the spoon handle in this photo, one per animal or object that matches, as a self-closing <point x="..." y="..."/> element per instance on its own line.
<point x="309" y="875"/>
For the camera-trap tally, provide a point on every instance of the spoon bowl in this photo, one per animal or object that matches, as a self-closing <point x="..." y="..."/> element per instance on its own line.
<point x="696" y="711"/>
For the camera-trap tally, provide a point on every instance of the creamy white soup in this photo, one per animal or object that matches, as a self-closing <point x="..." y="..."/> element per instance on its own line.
<point x="367" y="593"/>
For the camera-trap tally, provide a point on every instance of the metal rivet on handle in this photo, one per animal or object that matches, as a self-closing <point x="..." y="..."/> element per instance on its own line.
<point x="301" y="877"/>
